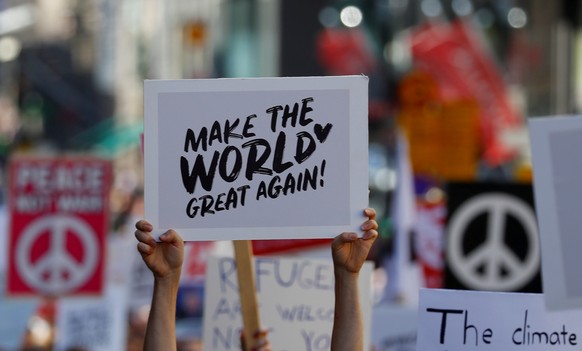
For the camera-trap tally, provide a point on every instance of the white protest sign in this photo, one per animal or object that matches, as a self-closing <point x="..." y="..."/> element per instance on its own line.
<point x="100" y="323"/>
<point x="457" y="320"/>
<point x="394" y="328"/>
<point x="261" y="158"/>
<point x="557" y="168"/>
<point x="141" y="283"/>
<point x="296" y="303"/>
<point x="93" y="324"/>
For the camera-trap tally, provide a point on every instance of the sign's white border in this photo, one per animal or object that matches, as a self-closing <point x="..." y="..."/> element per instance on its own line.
<point x="551" y="238"/>
<point x="483" y="320"/>
<point x="358" y="158"/>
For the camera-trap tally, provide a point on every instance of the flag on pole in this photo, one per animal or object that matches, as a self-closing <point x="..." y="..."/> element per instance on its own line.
<point x="403" y="273"/>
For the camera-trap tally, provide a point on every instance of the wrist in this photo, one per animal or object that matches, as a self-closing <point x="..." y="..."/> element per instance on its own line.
<point x="342" y="274"/>
<point x="171" y="278"/>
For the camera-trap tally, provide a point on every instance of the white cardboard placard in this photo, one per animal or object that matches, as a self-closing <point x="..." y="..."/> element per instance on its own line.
<point x="296" y="303"/>
<point x="93" y="323"/>
<point x="455" y="320"/>
<point x="556" y="144"/>
<point x="260" y="158"/>
<point x="394" y="327"/>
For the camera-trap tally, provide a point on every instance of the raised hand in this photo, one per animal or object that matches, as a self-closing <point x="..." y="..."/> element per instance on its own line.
<point x="348" y="251"/>
<point x="163" y="258"/>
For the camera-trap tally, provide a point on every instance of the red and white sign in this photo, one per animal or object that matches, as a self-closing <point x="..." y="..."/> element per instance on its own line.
<point x="195" y="258"/>
<point x="58" y="223"/>
<point x="457" y="57"/>
<point x="429" y="244"/>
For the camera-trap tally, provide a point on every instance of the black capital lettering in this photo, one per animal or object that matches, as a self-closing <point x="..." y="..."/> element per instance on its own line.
<point x="304" y="110"/>
<point x="254" y="161"/>
<point x="278" y="165"/>
<point x="193" y="142"/>
<point x="248" y="125"/>
<point x="228" y="131"/>
<point x="198" y="171"/>
<point x="302" y="152"/>
<point x="444" y="319"/>
<point x="274" y="112"/>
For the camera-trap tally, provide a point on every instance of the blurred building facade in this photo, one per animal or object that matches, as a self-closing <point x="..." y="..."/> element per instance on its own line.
<point x="74" y="69"/>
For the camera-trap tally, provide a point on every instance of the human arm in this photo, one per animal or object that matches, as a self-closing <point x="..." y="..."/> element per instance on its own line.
<point x="164" y="259"/>
<point x="349" y="253"/>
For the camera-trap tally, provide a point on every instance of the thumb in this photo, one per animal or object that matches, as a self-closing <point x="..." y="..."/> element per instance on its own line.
<point x="172" y="237"/>
<point x="342" y="239"/>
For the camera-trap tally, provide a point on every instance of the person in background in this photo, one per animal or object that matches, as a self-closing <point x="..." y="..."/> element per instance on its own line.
<point x="165" y="258"/>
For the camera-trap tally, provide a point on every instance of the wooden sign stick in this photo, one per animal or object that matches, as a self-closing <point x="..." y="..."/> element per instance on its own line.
<point x="248" y="296"/>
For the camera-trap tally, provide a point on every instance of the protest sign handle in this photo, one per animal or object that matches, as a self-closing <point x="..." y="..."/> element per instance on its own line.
<point x="248" y="296"/>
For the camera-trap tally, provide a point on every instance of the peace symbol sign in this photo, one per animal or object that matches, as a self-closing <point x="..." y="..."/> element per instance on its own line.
<point x="493" y="254"/>
<point x="57" y="271"/>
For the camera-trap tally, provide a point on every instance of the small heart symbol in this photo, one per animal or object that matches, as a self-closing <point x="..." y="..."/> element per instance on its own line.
<point x="322" y="132"/>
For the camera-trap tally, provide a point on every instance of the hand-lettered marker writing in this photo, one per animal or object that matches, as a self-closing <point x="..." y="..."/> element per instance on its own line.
<point x="321" y="133"/>
<point x="244" y="154"/>
<point x="525" y="336"/>
<point x="485" y="336"/>
<point x="443" y="320"/>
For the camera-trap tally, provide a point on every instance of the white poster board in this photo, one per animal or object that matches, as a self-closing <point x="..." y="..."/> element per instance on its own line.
<point x="93" y="323"/>
<point x="141" y="286"/>
<point x="394" y="327"/>
<point x="261" y="158"/>
<point x="455" y="320"/>
<point x="296" y="303"/>
<point x="100" y="323"/>
<point x="556" y="145"/>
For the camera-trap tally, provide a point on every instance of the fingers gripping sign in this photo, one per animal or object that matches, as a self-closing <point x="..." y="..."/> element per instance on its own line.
<point x="348" y="251"/>
<point x="163" y="258"/>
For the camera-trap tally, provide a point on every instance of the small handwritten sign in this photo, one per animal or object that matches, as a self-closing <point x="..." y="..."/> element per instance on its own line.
<point x="455" y="320"/>
<point x="268" y="158"/>
<point x="93" y="324"/>
<point x="296" y="303"/>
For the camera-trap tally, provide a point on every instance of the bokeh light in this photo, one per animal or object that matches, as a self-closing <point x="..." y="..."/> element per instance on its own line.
<point x="431" y="8"/>
<point x="329" y="17"/>
<point x="351" y="16"/>
<point x="517" y="17"/>
<point x="9" y="49"/>
<point x="462" y="7"/>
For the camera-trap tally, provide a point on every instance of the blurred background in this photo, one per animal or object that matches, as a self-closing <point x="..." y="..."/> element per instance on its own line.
<point x="452" y="86"/>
